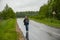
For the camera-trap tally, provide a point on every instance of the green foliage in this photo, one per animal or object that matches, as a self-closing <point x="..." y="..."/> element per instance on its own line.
<point x="46" y="14"/>
<point x="43" y="11"/>
<point x="46" y="11"/>
<point x="7" y="13"/>
<point x="55" y="6"/>
<point x="7" y="29"/>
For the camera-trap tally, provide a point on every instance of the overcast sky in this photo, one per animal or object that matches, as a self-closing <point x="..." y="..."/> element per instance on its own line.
<point x="23" y="5"/>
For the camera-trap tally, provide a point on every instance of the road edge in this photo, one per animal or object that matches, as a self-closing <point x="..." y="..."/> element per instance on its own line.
<point x="20" y="35"/>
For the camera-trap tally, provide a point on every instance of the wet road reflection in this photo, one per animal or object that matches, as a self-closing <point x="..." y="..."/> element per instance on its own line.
<point x="39" y="31"/>
<point x="27" y="35"/>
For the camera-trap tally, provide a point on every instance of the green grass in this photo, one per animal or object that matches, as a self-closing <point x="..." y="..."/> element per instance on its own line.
<point x="8" y="29"/>
<point x="50" y="22"/>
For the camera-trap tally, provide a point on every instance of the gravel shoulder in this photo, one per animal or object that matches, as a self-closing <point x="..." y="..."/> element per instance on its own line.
<point x="19" y="33"/>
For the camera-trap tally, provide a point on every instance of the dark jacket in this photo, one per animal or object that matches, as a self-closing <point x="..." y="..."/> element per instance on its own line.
<point x="26" y="21"/>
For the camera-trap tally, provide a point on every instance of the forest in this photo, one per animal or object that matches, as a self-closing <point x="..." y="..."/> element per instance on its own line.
<point x="26" y="13"/>
<point x="49" y="14"/>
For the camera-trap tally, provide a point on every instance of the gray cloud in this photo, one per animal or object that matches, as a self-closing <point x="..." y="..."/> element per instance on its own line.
<point x="23" y="5"/>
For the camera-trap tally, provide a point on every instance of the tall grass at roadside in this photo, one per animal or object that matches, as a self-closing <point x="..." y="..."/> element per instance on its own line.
<point x="8" y="29"/>
<point x="50" y="22"/>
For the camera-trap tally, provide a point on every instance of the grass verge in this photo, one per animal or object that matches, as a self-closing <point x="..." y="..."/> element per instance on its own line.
<point x="50" y="22"/>
<point x="8" y="29"/>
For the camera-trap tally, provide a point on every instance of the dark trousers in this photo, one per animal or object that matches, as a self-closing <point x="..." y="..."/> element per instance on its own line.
<point x="26" y="26"/>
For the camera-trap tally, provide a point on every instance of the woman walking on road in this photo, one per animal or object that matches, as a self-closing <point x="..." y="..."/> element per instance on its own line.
<point x="26" y="23"/>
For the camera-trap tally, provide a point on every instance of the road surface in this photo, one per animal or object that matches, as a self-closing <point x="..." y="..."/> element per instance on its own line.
<point x="39" y="31"/>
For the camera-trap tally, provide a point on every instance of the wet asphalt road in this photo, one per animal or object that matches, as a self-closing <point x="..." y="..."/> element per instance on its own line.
<point x="39" y="31"/>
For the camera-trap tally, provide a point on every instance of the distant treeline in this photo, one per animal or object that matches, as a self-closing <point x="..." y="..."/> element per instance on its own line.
<point x="26" y="13"/>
